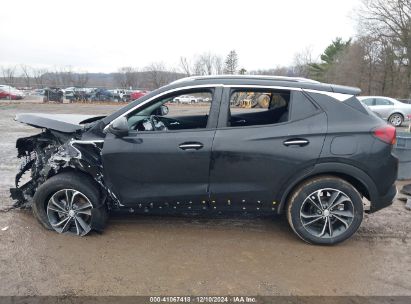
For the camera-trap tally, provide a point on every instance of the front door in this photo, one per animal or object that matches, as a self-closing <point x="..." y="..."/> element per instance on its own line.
<point x="166" y="168"/>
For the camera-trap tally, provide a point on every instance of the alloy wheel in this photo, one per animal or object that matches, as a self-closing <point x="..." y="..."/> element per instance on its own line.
<point x="69" y="211"/>
<point x="327" y="213"/>
<point x="396" y="120"/>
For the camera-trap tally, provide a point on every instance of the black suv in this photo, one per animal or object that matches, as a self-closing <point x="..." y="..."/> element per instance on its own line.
<point x="255" y="145"/>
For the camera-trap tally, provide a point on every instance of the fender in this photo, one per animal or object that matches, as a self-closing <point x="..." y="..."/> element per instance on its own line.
<point x="329" y="168"/>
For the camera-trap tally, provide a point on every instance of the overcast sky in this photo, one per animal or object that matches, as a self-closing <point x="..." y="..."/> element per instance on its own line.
<point x="101" y="36"/>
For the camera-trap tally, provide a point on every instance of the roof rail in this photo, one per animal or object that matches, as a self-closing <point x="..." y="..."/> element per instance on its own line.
<point x="261" y="77"/>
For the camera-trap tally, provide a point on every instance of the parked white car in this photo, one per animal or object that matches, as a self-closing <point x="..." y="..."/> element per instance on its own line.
<point x="390" y="109"/>
<point x="185" y="99"/>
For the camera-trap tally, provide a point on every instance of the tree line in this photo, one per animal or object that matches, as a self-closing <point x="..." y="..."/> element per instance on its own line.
<point x="150" y="77"/>
<point x="377" y="60"/>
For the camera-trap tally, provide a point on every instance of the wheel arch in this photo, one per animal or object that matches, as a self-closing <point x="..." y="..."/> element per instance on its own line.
<point x="361" y="181"/>
<point x="397" y="112"/>
<point x="79" y="172"/>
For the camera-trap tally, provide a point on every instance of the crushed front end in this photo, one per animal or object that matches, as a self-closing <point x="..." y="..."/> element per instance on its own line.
<point x="51" y="152"/>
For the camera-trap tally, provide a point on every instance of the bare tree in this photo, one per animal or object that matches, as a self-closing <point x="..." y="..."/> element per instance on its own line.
<point x="203" y="64"/>
<point x="40" y="77"/>
<point x="390" y="19"/>
<point x="302" y="61"/>
<point x="26" y="74"/>
<point x="8" y="74"/>
<point x="66" y="76"/>
<point x="127" y="77"/>
<point x="218" y="65"/>
<point x="158" y="75"/>
<point x="185" y="66"/>
<point x="52" y="78"/>
<point x="231" y="63"/>
<point x="81" y="79"/>
<point x="207" y="61"/>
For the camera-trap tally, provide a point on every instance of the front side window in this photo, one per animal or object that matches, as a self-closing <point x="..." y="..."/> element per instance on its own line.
<point x="177" y="111"/>
<point x="258" y="107"/>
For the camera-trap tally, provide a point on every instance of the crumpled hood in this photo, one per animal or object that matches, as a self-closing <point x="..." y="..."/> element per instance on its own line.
<point x="67" y="123"/>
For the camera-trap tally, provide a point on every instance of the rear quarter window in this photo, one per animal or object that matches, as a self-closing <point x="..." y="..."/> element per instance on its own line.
<point x="301" y="106"/>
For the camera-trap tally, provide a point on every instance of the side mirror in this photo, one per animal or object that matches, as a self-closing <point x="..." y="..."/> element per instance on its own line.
<point x="161" y="111"/>
<point x="164" y="110"/>
<point x="119" y="127"/>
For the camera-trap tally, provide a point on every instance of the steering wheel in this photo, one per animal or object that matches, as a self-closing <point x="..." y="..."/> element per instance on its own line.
<point x="155" y="124"/>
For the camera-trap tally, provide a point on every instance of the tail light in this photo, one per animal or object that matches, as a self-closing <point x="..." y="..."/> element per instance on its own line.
<point x="387" y="134"/>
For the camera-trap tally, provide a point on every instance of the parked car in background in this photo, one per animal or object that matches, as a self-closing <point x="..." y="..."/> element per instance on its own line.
<point x="185" y="99"/>
<point x="53" y="94"/>
<point x="10" y="93"/>
<point x="39" y="92"/>
<point x="102" y="95"/>
<point x="120" y="95"/>
<point x="137" y="94"/>
<point x="311" y="152"/>
<point x="389" y="109"/>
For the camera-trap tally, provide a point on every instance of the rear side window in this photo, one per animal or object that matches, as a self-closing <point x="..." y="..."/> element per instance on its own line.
<point x="368" y="101"/>
<point x="258" y="107"/>
<point x="301" y="106"/>
<point x="382" y="102"/>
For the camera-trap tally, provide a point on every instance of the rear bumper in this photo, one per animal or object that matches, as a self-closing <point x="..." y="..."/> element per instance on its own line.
<point x="385" y="200"/>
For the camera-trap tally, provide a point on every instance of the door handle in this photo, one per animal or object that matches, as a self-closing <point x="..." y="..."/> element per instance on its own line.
<point x="191" y="146"/>
<point x="296" y="142"/>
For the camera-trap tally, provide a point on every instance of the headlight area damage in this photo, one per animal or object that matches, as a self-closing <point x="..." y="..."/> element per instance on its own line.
<point x="51" y="152"/>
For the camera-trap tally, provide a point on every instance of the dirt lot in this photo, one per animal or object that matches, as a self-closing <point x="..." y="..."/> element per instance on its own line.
<point x="187" y="256"/>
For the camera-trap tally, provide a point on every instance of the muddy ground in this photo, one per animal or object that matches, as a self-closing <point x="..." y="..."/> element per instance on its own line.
<point x="187" y="256"/>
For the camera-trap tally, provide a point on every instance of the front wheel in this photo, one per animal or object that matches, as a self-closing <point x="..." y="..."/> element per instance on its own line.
<point x="396" y="119"/>
<point x="325" y="210"/>
<point x="70" y="203"/>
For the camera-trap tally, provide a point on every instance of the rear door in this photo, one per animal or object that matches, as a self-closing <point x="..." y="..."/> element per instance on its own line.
<point x="383" y="107"/>
<point x="251" y="162"/>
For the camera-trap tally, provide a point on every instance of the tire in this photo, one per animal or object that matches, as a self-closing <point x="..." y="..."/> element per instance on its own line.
<point x="311" y="220"/>
<point x="88" y="212"/>
<point x="396" y="119"/>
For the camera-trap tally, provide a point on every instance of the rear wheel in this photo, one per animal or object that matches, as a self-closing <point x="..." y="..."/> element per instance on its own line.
<point x="70" y="203"/>
<point x="325" y="210"/>
<point x="396" y="119"/>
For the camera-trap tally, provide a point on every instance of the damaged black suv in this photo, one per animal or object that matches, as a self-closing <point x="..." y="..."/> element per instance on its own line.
<point x="224" y="144"/>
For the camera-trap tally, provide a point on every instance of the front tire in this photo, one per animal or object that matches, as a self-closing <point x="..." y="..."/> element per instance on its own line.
<point x="325" y="210"/>
<point x="396" y="119"/>
<point x="70" y="203"/>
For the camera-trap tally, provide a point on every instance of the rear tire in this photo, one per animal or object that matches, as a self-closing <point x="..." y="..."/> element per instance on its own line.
<point x="325" y="210"/>
<point x="72" y="199"/>
<point x="396" y="119"/>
